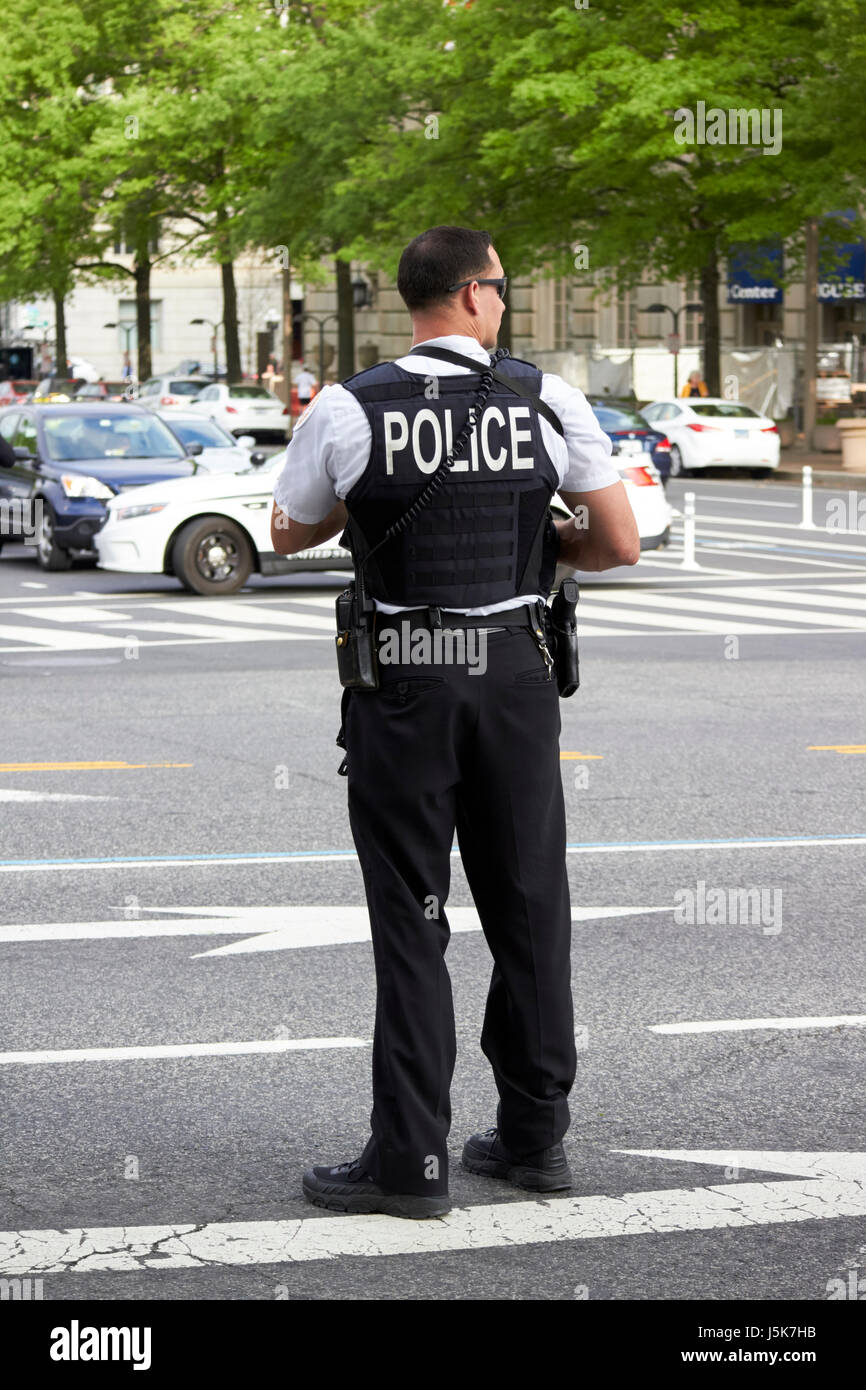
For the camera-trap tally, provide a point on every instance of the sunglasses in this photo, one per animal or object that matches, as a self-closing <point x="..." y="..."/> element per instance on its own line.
<point x="501" y="284"/>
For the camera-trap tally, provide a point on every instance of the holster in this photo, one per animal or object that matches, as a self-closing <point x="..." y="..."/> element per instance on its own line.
<point x="560" y="630"/>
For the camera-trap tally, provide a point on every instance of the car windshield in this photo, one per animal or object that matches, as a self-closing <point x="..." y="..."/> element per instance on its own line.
<point x="186" y="388"/>
<point x="205" y="432"/>
<point x="728" y="409"/>
<point x="92" y="436"/>
<point x="250" y="393"/>
<point x="611" y="419"/>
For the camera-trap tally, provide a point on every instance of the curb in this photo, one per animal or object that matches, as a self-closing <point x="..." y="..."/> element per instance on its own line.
<point x="821" y="477"/>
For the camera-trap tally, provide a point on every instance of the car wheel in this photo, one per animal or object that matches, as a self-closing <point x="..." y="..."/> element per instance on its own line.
<point x="49" y="555"/>
<point x="677" y="469"/>
<point x="211" y="555"/>
<point x="759" y="474"/>
<point x="664" y="539"/>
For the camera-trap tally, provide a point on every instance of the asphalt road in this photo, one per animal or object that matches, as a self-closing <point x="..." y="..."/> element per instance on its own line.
<point x="154" y="895"/>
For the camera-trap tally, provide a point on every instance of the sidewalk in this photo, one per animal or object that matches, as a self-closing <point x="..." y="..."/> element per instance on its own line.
<point x="793" y="460"/>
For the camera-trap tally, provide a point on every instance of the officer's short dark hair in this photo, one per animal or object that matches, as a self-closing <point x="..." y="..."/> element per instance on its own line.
<point x="437" y="258"/>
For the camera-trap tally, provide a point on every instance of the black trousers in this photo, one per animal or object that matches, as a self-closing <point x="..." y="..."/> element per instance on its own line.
<point x="434" y="749"/>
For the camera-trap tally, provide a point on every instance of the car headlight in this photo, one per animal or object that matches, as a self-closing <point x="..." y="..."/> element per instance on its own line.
<point x="80" y="485"/>
<point x="143" y="509"/>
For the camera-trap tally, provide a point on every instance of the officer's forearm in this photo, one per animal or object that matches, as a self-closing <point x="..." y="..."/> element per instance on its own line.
<point x="289" y="537"/>
<point x="330" y="525"/>
<point x="578" y="549"/>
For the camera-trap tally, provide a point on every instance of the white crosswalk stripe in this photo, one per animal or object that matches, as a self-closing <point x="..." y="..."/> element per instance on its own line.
<point x="626" y="611"/>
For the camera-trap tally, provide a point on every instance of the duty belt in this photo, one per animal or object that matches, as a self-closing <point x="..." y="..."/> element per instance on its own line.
<point x="524" y="615"/>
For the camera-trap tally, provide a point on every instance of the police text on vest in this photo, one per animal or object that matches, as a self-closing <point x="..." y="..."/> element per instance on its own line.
<point x="422" y="443"/>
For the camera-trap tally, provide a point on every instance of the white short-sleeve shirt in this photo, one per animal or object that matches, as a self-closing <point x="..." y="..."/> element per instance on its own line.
<point x="330" y="446"/>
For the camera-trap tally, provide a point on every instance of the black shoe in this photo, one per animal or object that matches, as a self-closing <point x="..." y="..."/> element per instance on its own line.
<point x="544" y="1171"/>
<point x="350" y="1188"/>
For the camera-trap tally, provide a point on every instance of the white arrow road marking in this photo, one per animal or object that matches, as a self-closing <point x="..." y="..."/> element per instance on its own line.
<point x="742" y="1025"/>
<point x="501" y="1225"/>
<point x="12" y="794"/>
<point x="328" y="926"/>
<point x="271" y="928"/>
<point x="138" y="1054"/>
<point x="843" y="1167"/>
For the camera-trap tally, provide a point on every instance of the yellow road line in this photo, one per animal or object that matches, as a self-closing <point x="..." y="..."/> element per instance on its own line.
<point x="583" y="756"/>
<point x="837" y="748"/>
<point x="82" y="766"/>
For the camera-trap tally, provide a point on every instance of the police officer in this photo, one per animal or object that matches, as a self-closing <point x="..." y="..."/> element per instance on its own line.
<point x="439" y="748"/>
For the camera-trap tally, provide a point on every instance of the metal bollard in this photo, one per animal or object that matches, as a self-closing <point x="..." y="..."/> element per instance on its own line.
<point x="807" y="521"/>
<point x="688" y="561"/>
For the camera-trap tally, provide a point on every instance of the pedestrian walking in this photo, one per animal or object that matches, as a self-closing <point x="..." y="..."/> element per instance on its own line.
<point x="437" y="745"/>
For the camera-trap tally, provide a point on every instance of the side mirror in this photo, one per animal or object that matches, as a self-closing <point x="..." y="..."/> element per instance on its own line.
<point x="246" y="441"/>
<point x="22" y="453"/>
<point x="257" y="459"/>
<point x="195" y="449"/>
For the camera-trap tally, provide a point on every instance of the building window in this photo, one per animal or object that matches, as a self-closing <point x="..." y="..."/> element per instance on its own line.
<point x="692" y="329"/>
<point x="692" y="325"/>
<point x="124" y="244"/>
<point x="127" y="327"/>
<point x="582" y="320"/>
<point x="626" y="318"/>
<point x="561" y="313"/>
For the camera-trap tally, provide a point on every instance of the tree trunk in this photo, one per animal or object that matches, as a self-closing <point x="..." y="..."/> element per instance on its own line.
<point x="345" y="322"/>
<point x="810" y="355"/>
<point x="60" y="363"/>
<point x="284" y="391"/>
<point x="230" y="323"/>
<point x="142" y="315"/>
<point x="712" y="323"/>
<point x="504" y="339"/>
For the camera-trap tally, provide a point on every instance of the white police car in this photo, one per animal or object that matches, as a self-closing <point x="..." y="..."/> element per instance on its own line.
<point x="211" y="533"/>
<point x="214" y="530"/>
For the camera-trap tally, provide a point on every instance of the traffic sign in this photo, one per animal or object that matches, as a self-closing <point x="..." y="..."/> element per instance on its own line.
<point x="673" y="343"/>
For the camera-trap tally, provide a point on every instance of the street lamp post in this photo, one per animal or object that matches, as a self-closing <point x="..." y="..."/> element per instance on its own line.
<point x="127" y="329"/>
<point x="215" y="327"/>
<point x="321" y="323"/>
<point x="692" y="308"/>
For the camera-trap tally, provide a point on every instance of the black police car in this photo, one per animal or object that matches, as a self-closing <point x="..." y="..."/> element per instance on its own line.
<point x="69" y="460"/>
<point x="631" y="434"/>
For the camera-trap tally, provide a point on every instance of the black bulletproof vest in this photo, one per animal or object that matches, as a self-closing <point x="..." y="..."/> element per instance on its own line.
<point x="486" y="536"/>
